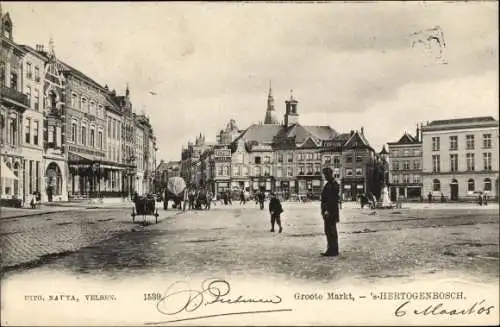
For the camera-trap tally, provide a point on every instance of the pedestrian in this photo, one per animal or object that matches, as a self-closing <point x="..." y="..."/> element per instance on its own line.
<point x="275" y="209"/>
<point x="429" y="197"/>
<point x="229" y="197"/>
<point x="480" y="199"/>
<point x="242" y="197"/>
<point x="261" y="197"/>
<point x="485" y="199"/>
<point x="330" y="213"/>
<point x="165" y="199"/>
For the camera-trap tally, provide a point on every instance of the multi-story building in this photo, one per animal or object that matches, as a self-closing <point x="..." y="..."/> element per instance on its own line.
<point x="13" y="104"/>
<point x="85" y="125"/>
<point x="114" y="170"/>
<point x="406" y="167"/>
<point x="128" y="140"/>
<point x="33" y="123"/>
<point x="460" y="158"/>
<point x="139" y="155"/>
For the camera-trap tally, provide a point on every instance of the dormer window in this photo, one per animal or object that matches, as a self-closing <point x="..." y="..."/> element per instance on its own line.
<point x="7" y="29"/>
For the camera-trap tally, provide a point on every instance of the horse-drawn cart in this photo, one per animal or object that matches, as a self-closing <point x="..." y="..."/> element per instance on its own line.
<point x="145" y="206"/>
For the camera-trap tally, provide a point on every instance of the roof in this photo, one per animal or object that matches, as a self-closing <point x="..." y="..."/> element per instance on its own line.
<point x="462" y="121"/>
<point x="356" y="140"/>
<point x="262" y="133"/>
<point x="384" y="150"/>
<point x="405" y="139"/>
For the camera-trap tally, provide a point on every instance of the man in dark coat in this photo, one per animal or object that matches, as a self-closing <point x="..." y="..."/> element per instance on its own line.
<point x="275" y="209"/>
<point x="261" y="197"/>
<point x="330" y="213"/>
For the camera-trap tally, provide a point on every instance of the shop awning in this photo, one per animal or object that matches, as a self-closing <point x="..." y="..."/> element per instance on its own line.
<point x="6" y="173"/>
<point x="80" y="158"/>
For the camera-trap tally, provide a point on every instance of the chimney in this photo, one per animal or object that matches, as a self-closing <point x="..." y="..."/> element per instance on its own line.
<point x="352" y="132"/>
<point x="418" y="134"/>
<point x="362" y="130"/>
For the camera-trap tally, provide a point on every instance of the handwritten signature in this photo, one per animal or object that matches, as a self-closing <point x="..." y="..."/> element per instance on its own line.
<point x="180" y="297"/>
<point x="439" y="309"/>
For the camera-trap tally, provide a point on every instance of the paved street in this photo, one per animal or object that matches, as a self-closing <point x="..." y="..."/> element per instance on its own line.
<point x="31" y="236"/>
<point x="235" y="240"/>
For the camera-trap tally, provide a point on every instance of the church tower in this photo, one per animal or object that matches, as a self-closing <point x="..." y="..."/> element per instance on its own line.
<point x="291" y="115"/>
<point x="270" y="113"/>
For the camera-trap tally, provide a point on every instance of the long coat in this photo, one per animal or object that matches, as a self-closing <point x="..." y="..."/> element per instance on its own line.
<point x="275" y="206"/>
<point x="330" y="201"/>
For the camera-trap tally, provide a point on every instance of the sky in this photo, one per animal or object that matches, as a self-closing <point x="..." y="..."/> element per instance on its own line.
<point x="349" y="64"/>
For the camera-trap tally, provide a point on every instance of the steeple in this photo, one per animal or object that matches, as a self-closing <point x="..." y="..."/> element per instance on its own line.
<point x="291" y="115"/>
<point x="52" y="52"/>
<point x="127" y="91"/>
<point x="270" y="117"/>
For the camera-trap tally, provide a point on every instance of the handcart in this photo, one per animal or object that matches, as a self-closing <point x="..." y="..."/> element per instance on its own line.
<point x="145" y="206"/>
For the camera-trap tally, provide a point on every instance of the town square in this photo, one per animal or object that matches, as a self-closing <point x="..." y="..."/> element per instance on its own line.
<point x="270" y="168"/>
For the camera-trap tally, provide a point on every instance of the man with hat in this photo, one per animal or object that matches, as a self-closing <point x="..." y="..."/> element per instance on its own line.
<point x="275" y="209"/>
<point x="330" y="212"/>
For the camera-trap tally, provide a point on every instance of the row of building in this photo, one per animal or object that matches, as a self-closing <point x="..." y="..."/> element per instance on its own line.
<point x="64" y="135"/>
<point x="454" y="158"/>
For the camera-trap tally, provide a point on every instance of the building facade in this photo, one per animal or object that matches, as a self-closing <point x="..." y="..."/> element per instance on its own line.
<point x="13" y="104"/>
<point x="460" y="158"/>
<point x="405" y="157"/>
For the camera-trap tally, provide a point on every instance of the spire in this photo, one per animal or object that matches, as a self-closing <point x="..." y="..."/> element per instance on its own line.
<point x="127" y="91"/>
<point x="291" y="94"/>
<point x="270" y="117"/>
<point x="52" y="52"/>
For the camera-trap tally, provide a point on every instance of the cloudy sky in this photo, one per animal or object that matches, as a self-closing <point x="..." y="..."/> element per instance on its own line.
<point x="349" y="65"/>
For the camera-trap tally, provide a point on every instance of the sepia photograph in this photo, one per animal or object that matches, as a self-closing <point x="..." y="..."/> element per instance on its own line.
<point x="249" y="163"/>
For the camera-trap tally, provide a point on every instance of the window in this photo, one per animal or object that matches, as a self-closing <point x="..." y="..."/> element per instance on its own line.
<point x="74" y="101"/>
<point x="73" y="132"/>
<point x="35" y="132"/>
<point x="28" y="94"/>
<point x="406" y="165"/>
<point x="328" y="160"/>
<point x="289" y="171"/>
<point x="416" y="153"/>
<point x="317" y="169"/>
<point x="257" y="171"/>
<point x="487" y="160"/>
<point x="487" y="184"/>
<point x="406" y="153"/>
<point x="395" y="153"/>
<point x="487" y="141"/>
<point x="267" y="159"/>
<point x="92" y="108"/>
<point x="435" y="143"/>
<point x="29" y="71"/>
<point x="84" y="135"/>
<point x="299" y="156"/>
<point x="109" y="127"/>
<point x="336" y="162"/>
<point x="92" y="137"/>
<point x="267" y="171"/>
<point x="309" y="169"/>
<point x="280" y="158"/>
<point x="113" y="128"/>
<point x="416" y="164"/>
<point x="27" y="131"/>
<point x="436" y="185"/>
<point x="453" y="162"/>
<point x="470" y="185"/>
<point x="290" y="158"/>
<point x="13" y="80"/>
<point x="470" y="161"/>
<point x="36" y="102"/>
<point x="309" y="156"/>
<point x="348" y="159"/>
<point x="37" y="74"/>
<point x="99" y="140"/>
<point x="279" y="172"/>
<point x="436" y="164"/>
<point x="301" y="169"/>
<point x="416" y="179"/>
<point x="348" y="172"/>
<point x="257" y="160"/>
<point x="83" y="104"/>
<point x="453" y="143"/>
<point x="2" y="74"/>
<point x="470" y="142"/>
<point x="359" y="171"/>
<point x="395" y="165"/>
<point x="359" y="159"/>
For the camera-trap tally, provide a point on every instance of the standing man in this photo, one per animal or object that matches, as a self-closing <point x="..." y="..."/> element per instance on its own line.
<point x="330" y="213"/>
<point x="275" y="209"/>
